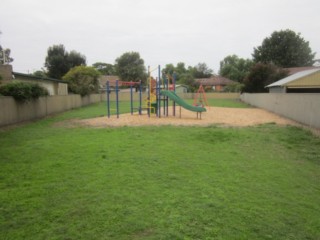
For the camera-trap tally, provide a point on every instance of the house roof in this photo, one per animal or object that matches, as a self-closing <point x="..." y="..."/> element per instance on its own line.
<point x="214" y="81"/>
<point x="294" y="70"/>
<point x="31" y="77"/>
<point x="297" y="76"/>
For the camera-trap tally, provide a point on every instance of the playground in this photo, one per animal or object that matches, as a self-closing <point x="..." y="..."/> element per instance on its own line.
<point x="238" y="117"/>
<point x="163" y="106"/>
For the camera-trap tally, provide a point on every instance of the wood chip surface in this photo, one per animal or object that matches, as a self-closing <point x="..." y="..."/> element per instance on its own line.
<point x="238" y="117"/>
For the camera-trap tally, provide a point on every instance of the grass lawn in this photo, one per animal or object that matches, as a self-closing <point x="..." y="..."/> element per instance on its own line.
<point x="158" y="182"/>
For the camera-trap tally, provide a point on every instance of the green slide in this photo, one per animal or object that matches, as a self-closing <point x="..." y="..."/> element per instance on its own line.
<point x="173" y="96"/>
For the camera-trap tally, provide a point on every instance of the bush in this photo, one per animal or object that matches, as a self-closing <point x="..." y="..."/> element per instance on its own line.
<point x="23" y="91"/>
<point x="234" y="87"/>
<point x="83" y="80"/>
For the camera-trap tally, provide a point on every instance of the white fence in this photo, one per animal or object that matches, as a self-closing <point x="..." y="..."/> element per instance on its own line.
<point x="300" y="107"/>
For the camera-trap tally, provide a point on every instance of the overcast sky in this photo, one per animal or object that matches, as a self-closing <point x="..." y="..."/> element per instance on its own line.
<point x="162" y="31"/>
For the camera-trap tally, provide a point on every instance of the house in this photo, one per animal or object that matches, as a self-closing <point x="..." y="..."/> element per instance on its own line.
<point x="54" y="86"/>
<point x="294" y="70"/>
<point x="179" y="88"/>
<point x="216" y="83"/>
<point x="104" y="78"/>
<point x="306" y="81"/>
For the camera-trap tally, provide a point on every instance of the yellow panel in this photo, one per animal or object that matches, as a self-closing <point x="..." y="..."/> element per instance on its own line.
<point x="311" y="80"/>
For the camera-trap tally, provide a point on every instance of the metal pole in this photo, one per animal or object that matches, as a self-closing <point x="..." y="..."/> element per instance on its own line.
<point x="174" y="90"/>
<point x="159" y="92"/>
<point x="117" y="97"/>
<point x="140" y="97"/>
<point x="131" y="98"/>
<point x="149" y="93"/>
<point x="108" y="99"/>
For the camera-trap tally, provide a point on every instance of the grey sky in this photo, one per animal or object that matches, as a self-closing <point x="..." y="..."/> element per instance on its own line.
<point x="166" y="31"/>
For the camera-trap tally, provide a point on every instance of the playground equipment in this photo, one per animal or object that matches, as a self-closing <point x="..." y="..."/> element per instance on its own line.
<point x="116" y="84"/>
<point x="200" y="98"/>
<point x="158" y="94"/>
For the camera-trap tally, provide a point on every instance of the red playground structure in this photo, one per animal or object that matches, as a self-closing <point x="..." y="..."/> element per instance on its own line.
<point x="200" y="98"/>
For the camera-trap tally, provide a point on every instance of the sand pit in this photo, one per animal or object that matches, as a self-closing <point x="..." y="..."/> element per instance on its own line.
<point x="238" y="117"/>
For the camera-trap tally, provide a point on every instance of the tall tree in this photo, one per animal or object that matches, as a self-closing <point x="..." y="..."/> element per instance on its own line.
<point x="235" y="68"/>
<point x="76" y="59"/>
<point x="58" y="61"/>
<point x="169" y="69"/>
<point x="130" y="67"/>
<point x="262" y="75"/>
<point x="284" y="48"/>
<point x="201" y="71"/>
<point x="5" y="55"/>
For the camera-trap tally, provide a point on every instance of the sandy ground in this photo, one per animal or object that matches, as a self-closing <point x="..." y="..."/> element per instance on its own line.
<point x="238" y="117"/>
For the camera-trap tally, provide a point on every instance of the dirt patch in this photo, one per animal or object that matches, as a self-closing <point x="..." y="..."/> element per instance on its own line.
<point x="239" y="117"/>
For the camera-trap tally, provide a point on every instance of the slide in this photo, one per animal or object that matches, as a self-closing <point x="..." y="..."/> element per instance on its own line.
<point x="173" y="96"/>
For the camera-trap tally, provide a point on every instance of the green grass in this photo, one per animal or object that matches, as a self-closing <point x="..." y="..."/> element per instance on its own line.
<point x="158" y="182"/>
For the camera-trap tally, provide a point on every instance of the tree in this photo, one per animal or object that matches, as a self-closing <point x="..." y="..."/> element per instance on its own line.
<point x="40" y="73"/>
<point x="58" y="61"/>
<point x="201" y="71"/>
<point x="235" y="68"/>
<point x="262" y="75"/>
<point x="76" y="59"/>
<point x="83" y="80"/>
<point x="130" y="67"/>
<point x="284" y="48"/>
<point x="5" y="55"/>
<point x="105" y="68"/>
<point x="176" y="71"/>
<point x="188" y="79"/>
<point x="168" y="69"/>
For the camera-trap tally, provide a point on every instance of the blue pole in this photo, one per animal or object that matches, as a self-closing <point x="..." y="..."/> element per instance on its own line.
<point x="131" y="97"/>
<point x="140" y="98"/>
<point x="108" y="99"/>
<point x="117" y="97"/>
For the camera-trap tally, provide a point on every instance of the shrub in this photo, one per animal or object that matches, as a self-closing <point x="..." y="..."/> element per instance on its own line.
<point x="83" y="80"/>
<point x="234" y="87"/>
<point x="23" y="91"/>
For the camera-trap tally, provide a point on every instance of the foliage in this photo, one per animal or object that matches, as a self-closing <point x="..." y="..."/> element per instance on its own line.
<point x="187" y="76"/>
<point x="235" y="68"/>
<point x="188" y="79"/>
<point x="234" y="87"/>
<point x="23" y="91"/>
<point x="262" y="75"/>
<point x="5" y="56"/>
<point x="40" y="73"/>
<point x="75" y="59"/>
<point x="130" y="67"/>
<point x="286" y="49"/>
<point x="82" y="80"/>
<point x="105" y="68"/>
<point x="224" y="183"/>
<point x="58" y="61"/>
<point x="201" y="71"/>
